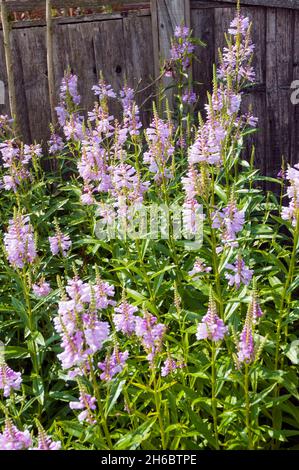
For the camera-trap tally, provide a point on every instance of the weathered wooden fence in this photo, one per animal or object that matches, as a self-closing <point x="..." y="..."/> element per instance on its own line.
<point x="126" y="46"/>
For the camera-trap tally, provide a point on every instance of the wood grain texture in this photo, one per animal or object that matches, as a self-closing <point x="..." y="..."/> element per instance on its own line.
<point x="167" y="15"/>
<point x="291" y="4"/>
<point x="9" y="64"/>
<point x="27" y="5"/>
<point x="31" y="45"/>
<point x="125" y="47"/>
<point x="203" y="26"/>
<point x="294" y="130"/>
<point x="139" y="60"/>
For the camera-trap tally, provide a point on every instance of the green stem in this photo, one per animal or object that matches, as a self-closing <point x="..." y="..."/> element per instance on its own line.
<point x="158" y="410"/>
<point x="31" y="323"/>
<point x="100" y="406"/>
<point x="214" y="399"/>
<point x="247" y="407"/>
<point x="276" y="418"/>
<point x="284" y="297"/>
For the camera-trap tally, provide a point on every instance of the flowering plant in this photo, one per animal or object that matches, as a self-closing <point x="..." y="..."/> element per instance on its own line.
<point x="139" y="340"/>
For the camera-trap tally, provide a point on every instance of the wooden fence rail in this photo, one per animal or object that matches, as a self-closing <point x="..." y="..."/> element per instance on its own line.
<point x="27" y="5"/>
<point x="127" y="46"/>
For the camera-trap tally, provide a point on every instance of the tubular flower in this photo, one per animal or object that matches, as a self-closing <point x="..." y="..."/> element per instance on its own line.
<point x="124" y="318"/>
<point x="160" y="148"/>
<point x="13" y="439"/>
<point x="45" y="442"/>
<point x="19" y="241"/>
<point x="230" y="221"/>
<point x="246" y="350"/>
<point x="151" y="335"/>
<point x="241" y="273"/>
<point x="113" y="364"/>
<point x="211" y="326"/>
<point x="9" y="379"/>
<point x="82" y="332"/>
<point x="170" y="366"/>
<point x="42" y="289"/>
<point x="60" y="243"/>
<point x="292" y="211"/>
<point x="87" y="404"/>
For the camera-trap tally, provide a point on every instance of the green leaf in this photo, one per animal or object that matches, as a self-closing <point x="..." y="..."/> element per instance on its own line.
<point x="16" y="352"/>
<point x="292" y="352"/>
<point x="132" y="440"/>
<point x="38" y="389"/>
<point x="115" y="391"/>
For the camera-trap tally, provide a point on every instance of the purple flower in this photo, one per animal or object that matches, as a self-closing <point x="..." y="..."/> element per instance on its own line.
<point x="15" y="162"/>
<point x="42" y="289"/>
<point x="181" y="32"/>
<point x="103" y="122"/>
<point x="151" y="335"/>
<point x="126" y="184"/>
<point x="13" y="439"/>
<point x="230" y="221"/>
<point x="74" y="128"/>
<point x="45" y="442"/>
<point x="182" y="47"/>
<point x="130" y="111"/>
<point x="159" y="137"/>
<point x="87" y="197"/>
<point x="211" y="326"/>
<point x="113" y="364"/>
<point x="9" y="379"/>
<point x="190" y="183"/>
<point x="239" y="25"/>
<point x="170" y="366"/>
<point x="292" y="211"/>
<point x="60" y="243"/>
<point x="95" y="332"/>
<point x="19" y="241"/>
<point x="55" y="143"/>
<point x="241" y="273"/>
<point x="246" y="349"/>
<point x="124" y="319"/>
<point x="189" y="97"/>
<point x="82" y="332"/>
<point x="87" y="403"/>
<point x="68" y="88"/>
<point x="62" y="114"/>
<point x="31" y="151"/>
<point x="199" y="268"/>
<point x="235" y="66"/>
<point x="256" y="309"/>
<point x="103" y="90"/>
<point x="208" y="144"/>
<point x="246" y="345"/>
<point x="192" y="218"/>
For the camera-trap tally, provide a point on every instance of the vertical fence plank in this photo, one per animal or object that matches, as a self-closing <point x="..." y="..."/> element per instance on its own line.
<point x="9" y="64"/>
<point x="74" y="50"/>
<point x="294" y="157"/>
<point x="203" y="27"/>
<point x="31" y="43"/>
<point x="50" y="64"/>
<point x="109" y="51"/>
<point x="166" y="15"/>
<point x="139" y="61"/>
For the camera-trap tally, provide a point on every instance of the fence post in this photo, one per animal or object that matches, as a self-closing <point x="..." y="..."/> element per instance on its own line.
<point x="166" y="15"/>
<point x="9" y="65"/>
<point x="50" y="61"/>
